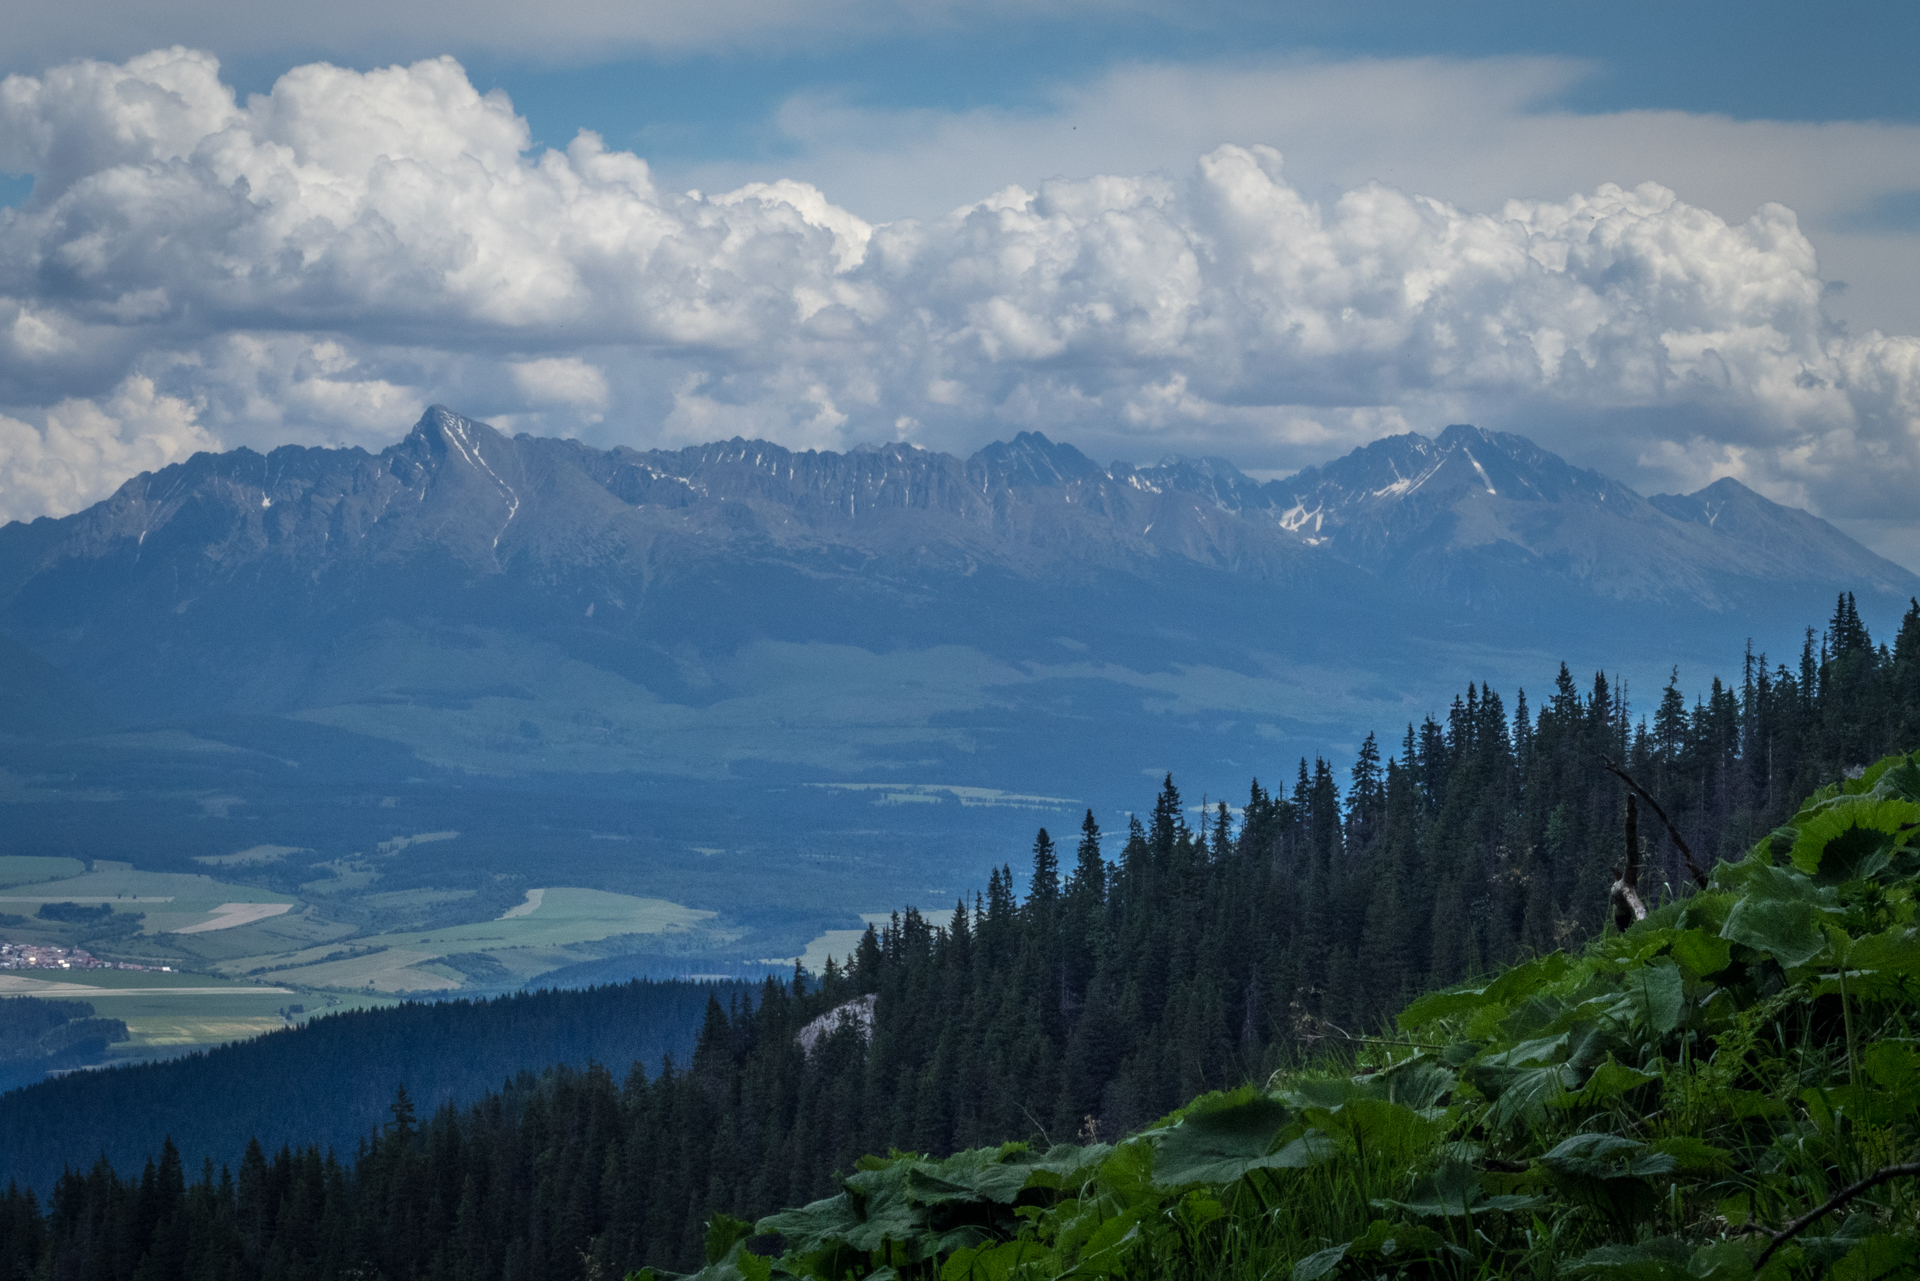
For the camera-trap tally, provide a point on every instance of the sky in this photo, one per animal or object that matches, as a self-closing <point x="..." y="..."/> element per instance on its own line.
<point x="1671" y="242"/>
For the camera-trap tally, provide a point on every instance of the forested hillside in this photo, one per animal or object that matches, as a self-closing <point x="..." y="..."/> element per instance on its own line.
<point x="329" y="1081"/>
<point x="1727" y="1088"/>
<point x="1201" y="956"/>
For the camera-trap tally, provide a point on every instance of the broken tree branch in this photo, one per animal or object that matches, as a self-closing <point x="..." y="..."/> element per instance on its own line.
<point x="1838" y="1199"/>
<point x="1627" y="907"/>
<point x="1686" y="851"/>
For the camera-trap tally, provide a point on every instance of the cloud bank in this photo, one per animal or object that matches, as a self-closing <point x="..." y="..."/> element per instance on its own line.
<point x="318" y="263"/>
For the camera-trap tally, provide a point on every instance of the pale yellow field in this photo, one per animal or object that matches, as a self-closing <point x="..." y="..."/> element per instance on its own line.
<point x="530" y="938"/>
<point x="170" y="900"/>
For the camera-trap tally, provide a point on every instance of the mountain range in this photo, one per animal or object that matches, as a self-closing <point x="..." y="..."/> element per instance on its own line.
<point x="724" y="636"/>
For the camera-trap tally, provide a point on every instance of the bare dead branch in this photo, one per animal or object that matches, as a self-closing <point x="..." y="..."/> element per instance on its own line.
<point x="1686" y="851"/>
<point x="1838" y="1199"/>
<point x="1625" y="894"/>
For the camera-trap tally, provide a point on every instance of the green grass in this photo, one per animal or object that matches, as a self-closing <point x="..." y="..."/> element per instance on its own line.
<point x="24" y="869"/>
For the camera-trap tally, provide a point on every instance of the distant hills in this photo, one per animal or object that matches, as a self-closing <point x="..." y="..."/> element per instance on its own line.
<point x="711" y="641"/>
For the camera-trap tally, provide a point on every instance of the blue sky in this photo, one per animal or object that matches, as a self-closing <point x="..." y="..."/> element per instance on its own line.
<point x="1711" y="209"/>
<point x="1764" y="60"/>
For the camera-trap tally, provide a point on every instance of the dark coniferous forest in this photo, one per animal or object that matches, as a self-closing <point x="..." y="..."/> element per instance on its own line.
<point x="1140" y="969"/>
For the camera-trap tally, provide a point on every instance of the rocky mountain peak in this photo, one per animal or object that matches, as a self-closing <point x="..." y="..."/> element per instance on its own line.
<point x="1029" y="459"/>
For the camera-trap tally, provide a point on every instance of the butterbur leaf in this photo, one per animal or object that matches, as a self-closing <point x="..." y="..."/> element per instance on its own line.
<point x="1894" y="777"/>
<point x="1780" y="914"/>
<point x="1440" y="1005"/>
<point x="1606" y="1156"/>
<point x="1720" y="1261"/>
<point x="1659" y="996"/>
<point x="1310" y="1149"/>
<point x="1001" y="1262"/>
<point x="736" y="1265"/>
<point x="1847" y="1238"/>
<point x="1453" y="1190"/>
<point x="1610" y="1174"/>
<point x="1893" y="1065"/>
<point x="1315" y="1266"/>
<point x="1661" y="1259"/>
<point x="1609" y="1081"/>
<point x="1854" y="855"/>
<point x="723" y="1230"/>
<point x="1526" y="979"/>
<point x="813" y="1225"/>
<point x="1377" y="1125"/>
<point x="1878" y="1257"/>
<point x="1418" y="1083"/>
<point x="1332" y="1095"/>
<point x="1702" y="953"/>
<point x="1220" y="1143"/>
<point x="1109" y="1249"/>
<point x="1446" y="1193"/>
<point x="1524" y="1094"/>
<point x="1196" y="1210"/>
<point x="1842" y="838"/>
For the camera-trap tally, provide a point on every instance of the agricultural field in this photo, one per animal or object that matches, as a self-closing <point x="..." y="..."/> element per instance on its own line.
<point x="169" y="901"/>
<point x="17" y="869"/>
<point x="218" y="960"/>
<point x="170" y="1013"/>
<point x="544" y="931"/>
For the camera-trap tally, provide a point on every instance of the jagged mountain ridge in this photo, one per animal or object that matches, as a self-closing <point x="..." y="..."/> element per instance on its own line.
<point x="299" y="578"/>
<point x="1399" y="507"/>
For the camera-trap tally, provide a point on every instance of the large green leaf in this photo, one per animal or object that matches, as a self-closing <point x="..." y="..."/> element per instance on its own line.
<point x="1609" y="1081"/>
<point x="1528" y="978"/>
<point x="1441" y="1005"/>
<point x="1661" y="1259"/>
<point x="1219" y="1144"/>
<point x="1002" y="1261"/>
<point x="1452" y="1191"/>
<point x="1319" y="1264"/>
<point x="813" y="1225"/>
<point x="1838" y="839"/>
<point x="1703" y="953"/>
<point x="1418" y="1083"/>
<point x="1606" y="1156"/>
<point x="1659" y="995"/>
<point x="1524" y="1094"/>
<point x="1781" y="914"/>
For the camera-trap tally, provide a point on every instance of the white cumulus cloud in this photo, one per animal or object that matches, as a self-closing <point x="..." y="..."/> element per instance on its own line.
<point x="77" y="450"/>
<point x="318" y="263"/>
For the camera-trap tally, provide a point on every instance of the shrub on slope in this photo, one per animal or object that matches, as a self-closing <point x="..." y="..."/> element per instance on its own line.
<point x="1728" y="1089"/>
